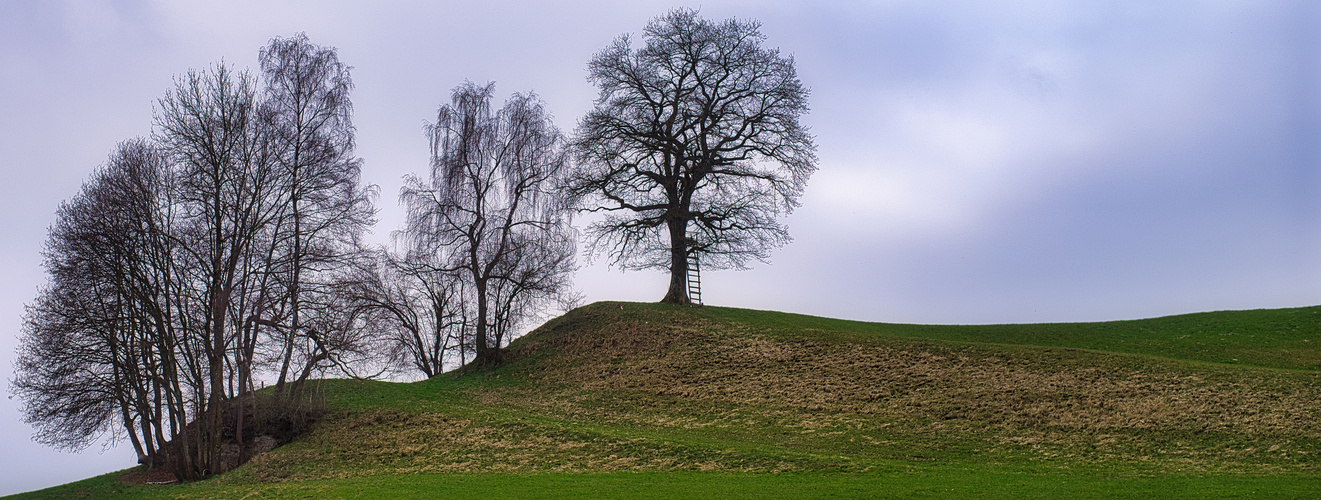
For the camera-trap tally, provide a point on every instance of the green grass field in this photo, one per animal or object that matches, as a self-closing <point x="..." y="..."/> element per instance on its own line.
<point x="1275" y="338"/>
<point x="935" y="482"/>
<point x="621" y="400"/>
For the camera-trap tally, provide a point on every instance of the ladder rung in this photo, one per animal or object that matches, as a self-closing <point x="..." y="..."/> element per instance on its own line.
<point x="694" y="280"/>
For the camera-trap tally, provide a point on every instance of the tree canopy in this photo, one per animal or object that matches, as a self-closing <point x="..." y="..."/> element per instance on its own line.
<point x="693" y="149"/>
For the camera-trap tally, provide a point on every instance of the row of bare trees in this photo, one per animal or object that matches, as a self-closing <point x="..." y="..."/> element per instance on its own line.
<point x="225" y="251"/>
<point x="193" y="260"/>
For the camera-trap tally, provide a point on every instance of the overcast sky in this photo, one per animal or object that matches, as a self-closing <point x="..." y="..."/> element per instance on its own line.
<point x="980" y="162"/>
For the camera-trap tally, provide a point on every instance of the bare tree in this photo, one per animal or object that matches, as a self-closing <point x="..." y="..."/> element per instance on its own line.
<point x="491" y="213"/>
<point x="323" y="208"/>
<point x="693" y="149"/>
<point x="418" y="308"/>
<point x="234" y="234"/>
<point x="92" y="351"/>
<point x="71" y="344"/>
<point x="209" y="125"/>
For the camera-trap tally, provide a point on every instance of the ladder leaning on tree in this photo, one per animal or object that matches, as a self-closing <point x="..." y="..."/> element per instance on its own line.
<point x="694" y="280"/>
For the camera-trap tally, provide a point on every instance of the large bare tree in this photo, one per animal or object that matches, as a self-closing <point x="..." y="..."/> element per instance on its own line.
<point x="693" y="149"/>
<point x="91" y="357"/>
<point x="491" y="213"/>
<point x="209" y="125"/>
<point x="322" y="207"/>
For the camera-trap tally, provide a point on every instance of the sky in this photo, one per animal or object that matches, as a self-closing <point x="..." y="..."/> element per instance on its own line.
<point x="980" y="162"/>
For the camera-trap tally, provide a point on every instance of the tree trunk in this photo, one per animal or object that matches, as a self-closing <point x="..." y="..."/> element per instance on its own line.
<point x="678" y="292"/>
<point x="143" y="455"/>
<point x="486" y="353"/>
<point x="295" y="323"/>
<point x="216" y="399"/>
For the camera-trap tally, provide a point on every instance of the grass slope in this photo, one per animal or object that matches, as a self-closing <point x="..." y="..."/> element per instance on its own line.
<point x="653" y="401"/>
<point x="1277" y="338"/>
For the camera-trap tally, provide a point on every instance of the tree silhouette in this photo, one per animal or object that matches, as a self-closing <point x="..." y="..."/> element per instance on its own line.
<point x="320" y="206"/>
<point x="693" y="148"/>
<point x="90" y="357"/>
<point x="243" y="212"/>
<point x="491" y="214"/>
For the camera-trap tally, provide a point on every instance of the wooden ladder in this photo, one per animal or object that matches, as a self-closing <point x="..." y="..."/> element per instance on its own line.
<point x="694" y="280"/>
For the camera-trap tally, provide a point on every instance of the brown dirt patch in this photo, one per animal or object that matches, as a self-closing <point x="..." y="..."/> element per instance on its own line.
<point x="140" y="475"/>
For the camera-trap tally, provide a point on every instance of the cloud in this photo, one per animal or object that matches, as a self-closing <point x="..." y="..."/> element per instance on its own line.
<point x="1053" y="164"/>
<point x="980" y="162"/>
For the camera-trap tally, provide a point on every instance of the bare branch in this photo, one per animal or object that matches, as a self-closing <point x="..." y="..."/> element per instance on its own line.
<point x="696" y="134"/>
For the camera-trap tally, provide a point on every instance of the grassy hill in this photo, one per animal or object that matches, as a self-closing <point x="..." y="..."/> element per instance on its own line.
<point x="653" y="401"/>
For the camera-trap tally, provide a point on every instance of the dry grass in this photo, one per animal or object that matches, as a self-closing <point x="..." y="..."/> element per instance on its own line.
<point x="655" y="389"/>
<point x="1054" y="402"/>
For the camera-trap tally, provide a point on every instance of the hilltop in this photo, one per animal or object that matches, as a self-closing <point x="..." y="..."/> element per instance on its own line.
<point x="656" y="400"/>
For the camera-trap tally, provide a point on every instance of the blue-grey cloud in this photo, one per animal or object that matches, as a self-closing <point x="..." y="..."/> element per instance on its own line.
<point x="980" y="162"/>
